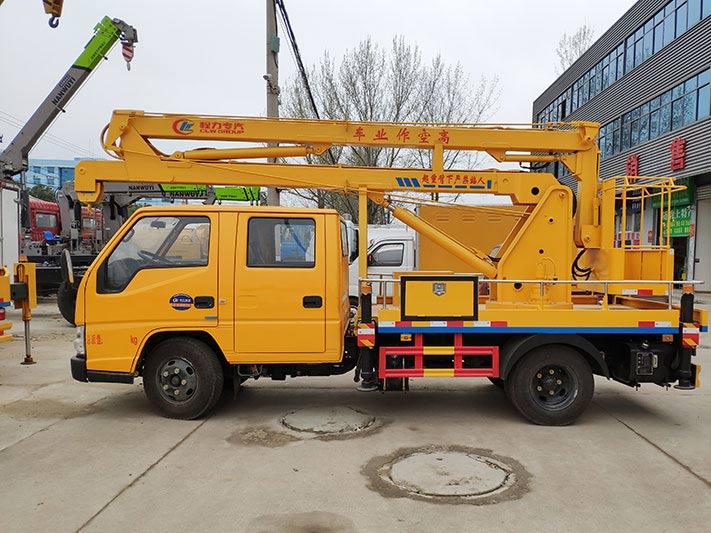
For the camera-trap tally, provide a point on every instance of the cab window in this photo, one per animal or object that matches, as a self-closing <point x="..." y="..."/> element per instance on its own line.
<point x="344" y="240"/>
<point x="387" y="255"/>
<point x="156" y="242"/>
<point x="45" y="220"/>
<point x="281" y="242"/>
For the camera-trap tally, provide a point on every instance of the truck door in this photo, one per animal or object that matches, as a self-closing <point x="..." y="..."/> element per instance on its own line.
<point x="162" y="275"/>
<point x="280" y="287"/>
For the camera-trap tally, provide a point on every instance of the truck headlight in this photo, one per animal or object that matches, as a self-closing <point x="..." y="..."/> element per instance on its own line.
<point x="79" y="341"/>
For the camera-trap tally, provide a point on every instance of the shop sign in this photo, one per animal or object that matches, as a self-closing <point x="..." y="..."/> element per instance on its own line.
<point x="680" y="222"/>
<point x="680" y="198"/>
<point x="632" y="166"/>
<point x="678" y="150"/>
<point x="633" y="206"/>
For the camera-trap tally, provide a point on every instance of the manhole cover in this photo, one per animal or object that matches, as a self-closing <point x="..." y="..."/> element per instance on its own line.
<point x="448" y="473"/>
<point x="324" y="420"/>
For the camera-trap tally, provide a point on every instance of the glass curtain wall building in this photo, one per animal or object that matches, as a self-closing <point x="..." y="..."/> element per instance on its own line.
<point x="647" y="81"/>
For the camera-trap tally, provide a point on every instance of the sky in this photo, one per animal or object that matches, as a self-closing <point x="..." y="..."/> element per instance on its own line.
<point x="208" y="57"/>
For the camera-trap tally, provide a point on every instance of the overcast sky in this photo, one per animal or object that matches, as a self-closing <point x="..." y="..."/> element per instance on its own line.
<point x="209" y="56"/>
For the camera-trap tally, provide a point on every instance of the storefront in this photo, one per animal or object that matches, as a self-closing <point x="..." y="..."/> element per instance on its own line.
<point x="681" y="227"/>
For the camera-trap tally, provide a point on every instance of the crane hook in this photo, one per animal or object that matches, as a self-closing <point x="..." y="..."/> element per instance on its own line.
<point x="53" y="21"/>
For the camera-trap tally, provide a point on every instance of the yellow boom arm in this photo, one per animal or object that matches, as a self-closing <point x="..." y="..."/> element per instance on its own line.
<point x="130" y="134"/>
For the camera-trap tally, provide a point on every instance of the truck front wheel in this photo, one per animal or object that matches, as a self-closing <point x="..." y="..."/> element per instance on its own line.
<point x="551" y="385"/>
<point x="182" y="378"/>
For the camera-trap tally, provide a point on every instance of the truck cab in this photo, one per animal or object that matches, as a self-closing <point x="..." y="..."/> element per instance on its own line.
<point x="248" y="286"/>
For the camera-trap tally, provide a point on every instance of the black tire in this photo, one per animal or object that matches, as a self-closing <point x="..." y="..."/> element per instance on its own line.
<point x="67" y="301"/>
<point x="551" y="385"/>
<point x="189" y="367"/>
<point x="497" y="381"/>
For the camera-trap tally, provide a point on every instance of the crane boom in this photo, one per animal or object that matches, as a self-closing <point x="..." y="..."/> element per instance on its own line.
<point x="15" y="158"/>
<point x="130" y="134"/>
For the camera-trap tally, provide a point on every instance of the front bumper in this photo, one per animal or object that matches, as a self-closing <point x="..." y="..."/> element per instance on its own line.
<point x="80" y="373"/>
<point x="79" y="368"/>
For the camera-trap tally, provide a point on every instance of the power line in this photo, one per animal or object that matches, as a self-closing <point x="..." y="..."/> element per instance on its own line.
<point x="297" y="55"/>
<point x="300" y="64"/>
<point x="50" y="138"/>
<point x="14" y="121"/>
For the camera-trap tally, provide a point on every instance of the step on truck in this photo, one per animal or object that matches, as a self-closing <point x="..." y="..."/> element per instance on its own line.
<point x="190" y="297"/>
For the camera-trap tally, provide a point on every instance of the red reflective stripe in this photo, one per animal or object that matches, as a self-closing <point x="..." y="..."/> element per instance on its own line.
<point x="645" y="324"/>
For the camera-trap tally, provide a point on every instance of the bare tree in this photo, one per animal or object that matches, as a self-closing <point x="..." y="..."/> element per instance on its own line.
<point x="571" y="47"/>
<point x="395" y="85"/>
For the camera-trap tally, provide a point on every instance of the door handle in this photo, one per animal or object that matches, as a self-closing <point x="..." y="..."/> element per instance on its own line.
<point x="204" y="302"/>
<point x="312" y="302"/>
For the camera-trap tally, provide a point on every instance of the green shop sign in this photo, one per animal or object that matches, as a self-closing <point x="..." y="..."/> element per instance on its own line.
<point x="685" y="197"/>
<point x="680" y="222"/>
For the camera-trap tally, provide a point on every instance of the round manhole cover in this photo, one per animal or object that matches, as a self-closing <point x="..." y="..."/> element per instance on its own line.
<point x="328" y="420"/>
<point x="449" y="473"/>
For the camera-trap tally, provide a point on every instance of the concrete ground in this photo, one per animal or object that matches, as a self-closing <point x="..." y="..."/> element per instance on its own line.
<point x="95" y="457"/>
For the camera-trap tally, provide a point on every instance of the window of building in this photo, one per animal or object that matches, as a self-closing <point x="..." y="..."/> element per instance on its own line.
<point x="694" y="12"/>
<point x="673" y="20"/>
<point x="702" y="95"/>
<point x="51" y="170"/>
<point x="685" y="103"/>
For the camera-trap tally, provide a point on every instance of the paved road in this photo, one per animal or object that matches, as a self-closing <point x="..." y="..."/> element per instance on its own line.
<point x="96" y="458"/>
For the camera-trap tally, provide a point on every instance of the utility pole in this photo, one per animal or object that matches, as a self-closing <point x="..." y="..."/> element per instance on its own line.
<point x="272" y="79"/>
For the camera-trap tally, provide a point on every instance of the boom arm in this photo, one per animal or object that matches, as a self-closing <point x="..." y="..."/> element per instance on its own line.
<point x="14" y="159"/>
<point x="129" y="136"/>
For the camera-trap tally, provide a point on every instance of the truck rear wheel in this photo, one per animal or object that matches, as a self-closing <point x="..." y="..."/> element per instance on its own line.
<point x="67" y="301"/>
<point x="551" y="385"/>
<point x="183" y="378"/>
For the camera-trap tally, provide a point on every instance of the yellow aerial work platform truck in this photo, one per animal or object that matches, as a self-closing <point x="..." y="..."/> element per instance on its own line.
<point x="186" y="296"/>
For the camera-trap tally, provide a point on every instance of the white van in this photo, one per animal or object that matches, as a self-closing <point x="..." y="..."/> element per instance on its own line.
<point x="391" y="248"/>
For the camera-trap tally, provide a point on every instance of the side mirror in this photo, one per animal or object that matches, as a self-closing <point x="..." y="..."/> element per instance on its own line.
<point x="370" y="259"/>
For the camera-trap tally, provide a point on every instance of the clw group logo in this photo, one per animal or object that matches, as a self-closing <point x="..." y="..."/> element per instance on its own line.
<point x="183" y="127"/>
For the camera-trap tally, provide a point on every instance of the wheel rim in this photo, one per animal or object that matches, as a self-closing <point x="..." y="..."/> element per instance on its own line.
<point x="554" y="387"/>
<point x="177" y="380"/>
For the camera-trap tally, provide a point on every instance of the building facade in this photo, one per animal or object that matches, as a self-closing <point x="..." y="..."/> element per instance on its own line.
<point x="647" y="81"/>
<point x="50" y="172"/>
